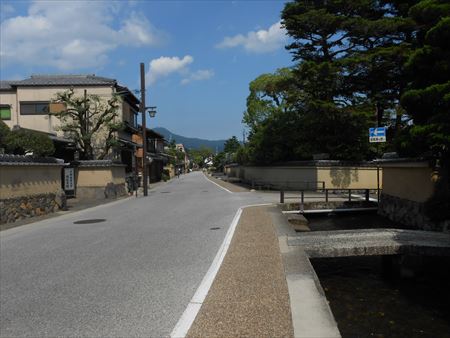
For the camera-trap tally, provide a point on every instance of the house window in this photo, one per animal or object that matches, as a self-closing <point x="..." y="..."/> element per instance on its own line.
<point x="34" y="108"/>
<point x="5" y="112"/>
<point x="133" y="117"/>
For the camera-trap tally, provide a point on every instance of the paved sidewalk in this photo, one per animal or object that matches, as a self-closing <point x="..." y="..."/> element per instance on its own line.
<point x="227" y="185"/>
<point x="76" y="204"/>
<point x="249" y="296"/>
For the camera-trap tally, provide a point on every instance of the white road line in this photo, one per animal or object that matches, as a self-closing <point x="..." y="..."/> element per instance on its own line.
<point x="188" y="316"/>
<point x="217" y="184"/>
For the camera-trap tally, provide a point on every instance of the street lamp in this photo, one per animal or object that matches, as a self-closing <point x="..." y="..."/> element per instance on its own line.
<point x="151" y="111"/>
<point x="143" y="109"/>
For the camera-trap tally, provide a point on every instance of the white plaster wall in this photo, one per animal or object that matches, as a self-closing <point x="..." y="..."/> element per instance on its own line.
<point x="48" y="123"/>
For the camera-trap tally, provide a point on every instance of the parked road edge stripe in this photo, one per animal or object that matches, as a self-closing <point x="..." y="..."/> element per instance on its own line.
<point x="217" y="184"/>
<point x="188" y="316"/>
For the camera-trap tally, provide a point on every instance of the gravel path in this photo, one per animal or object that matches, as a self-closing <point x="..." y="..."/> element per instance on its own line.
<point x="249" y="296"/>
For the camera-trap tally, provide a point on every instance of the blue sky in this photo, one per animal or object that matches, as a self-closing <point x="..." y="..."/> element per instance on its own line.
<point x="199" y="55"/>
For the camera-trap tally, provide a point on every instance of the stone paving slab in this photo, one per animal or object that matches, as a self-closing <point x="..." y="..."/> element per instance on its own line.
<point x="311" y="313"/>
<point x="367" y="242"/>
<point x="249" y="296"/>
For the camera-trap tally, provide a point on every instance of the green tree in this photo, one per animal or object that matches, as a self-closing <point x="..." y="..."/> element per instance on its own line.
<point x="176" y="155"/>
<point x="228" y="155"/>
<point x="242" y="155"/>
<point x="350" y="76"/>
<point x="219" y="160"/>
<point x="91" y="122"/>
<point x="4" y="132"/>
<point x="199" y="155"/>
<point x="351" y="57"/>
<point x="278" y="138"/>
<point x="23" y="141"/>
<point x="268" y="93"/>
<point x="231" y="145"/>
<point x="427" y="99"/>
<point x="273" y="119"/>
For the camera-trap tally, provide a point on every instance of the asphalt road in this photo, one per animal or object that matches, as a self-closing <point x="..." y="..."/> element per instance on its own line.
<point x="131" y="275"/>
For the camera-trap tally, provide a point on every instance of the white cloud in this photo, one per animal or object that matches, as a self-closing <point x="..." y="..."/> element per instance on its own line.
<point x="72" y="34"/>
<point x="165" y="66"/>
<point x="261" y="41"/>
<point x="137" y="31"/>
<point x="199" y="75"/>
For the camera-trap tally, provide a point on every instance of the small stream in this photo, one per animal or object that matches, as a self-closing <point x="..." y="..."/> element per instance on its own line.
<point x="366" y="303"/>
<point x="348" y="221"/>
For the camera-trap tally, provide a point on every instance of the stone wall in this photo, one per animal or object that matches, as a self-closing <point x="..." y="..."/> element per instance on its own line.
<point x="408" y="213"/>
<point x="13" y="209"/>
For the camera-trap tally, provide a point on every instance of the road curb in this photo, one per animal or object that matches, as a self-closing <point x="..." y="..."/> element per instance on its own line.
<point x="311" y="313"/>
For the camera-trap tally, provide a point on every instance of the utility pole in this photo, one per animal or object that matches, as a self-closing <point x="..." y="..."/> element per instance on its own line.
<point x="86" y="113"/>
<point x="144" y="131"/>
<point x="379" y="116"/>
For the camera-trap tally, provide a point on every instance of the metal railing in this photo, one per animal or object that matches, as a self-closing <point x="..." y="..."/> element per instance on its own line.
<point x="298" y="185"/>
<point x="327" y="194"/>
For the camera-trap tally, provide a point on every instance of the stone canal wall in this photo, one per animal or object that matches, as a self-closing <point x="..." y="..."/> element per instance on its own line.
<point x="409" y="213"/>
<point x="407" y="186"/>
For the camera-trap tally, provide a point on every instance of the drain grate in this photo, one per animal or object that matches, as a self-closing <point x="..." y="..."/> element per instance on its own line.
<point x="165" y="192"/>
<point x="89" y="221"/>
<point x="205" y="191"/>
<point x="214" y="228"/>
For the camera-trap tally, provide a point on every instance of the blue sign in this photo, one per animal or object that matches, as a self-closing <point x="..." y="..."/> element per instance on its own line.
<point x="377" y="134"/>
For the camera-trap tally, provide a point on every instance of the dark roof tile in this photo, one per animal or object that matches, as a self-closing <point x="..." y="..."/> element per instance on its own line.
<point x="65" y="80"/>
<point x="7" y="85"/>
<point x="6" y="159"/>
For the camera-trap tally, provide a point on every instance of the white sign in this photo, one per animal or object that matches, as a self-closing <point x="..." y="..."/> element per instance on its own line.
<point x="69" y="179"/>
<point x="377" y="134"/>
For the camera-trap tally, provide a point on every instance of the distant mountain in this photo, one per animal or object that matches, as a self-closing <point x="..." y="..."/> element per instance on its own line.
<point x="190" y="142"/>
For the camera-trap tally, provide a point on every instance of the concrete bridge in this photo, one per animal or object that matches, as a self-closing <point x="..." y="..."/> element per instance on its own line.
<point x="370" y="242"/>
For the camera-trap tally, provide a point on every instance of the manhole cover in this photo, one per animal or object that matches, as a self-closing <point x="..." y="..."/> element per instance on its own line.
<point x="165" y="192"/>
<point x="89" y="221"/>
<point x="214" y="228"/>
<point x="204" y="190"/>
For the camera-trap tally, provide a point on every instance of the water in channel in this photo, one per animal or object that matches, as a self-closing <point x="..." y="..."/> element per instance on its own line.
<point x="368" y="303"/>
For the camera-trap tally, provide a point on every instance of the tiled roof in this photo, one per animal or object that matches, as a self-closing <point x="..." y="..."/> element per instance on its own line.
<point x="6" y="159"/>
<point x="98" y="163"/>
<point x="63" y="80"/>
<point x="7" y="85"/>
